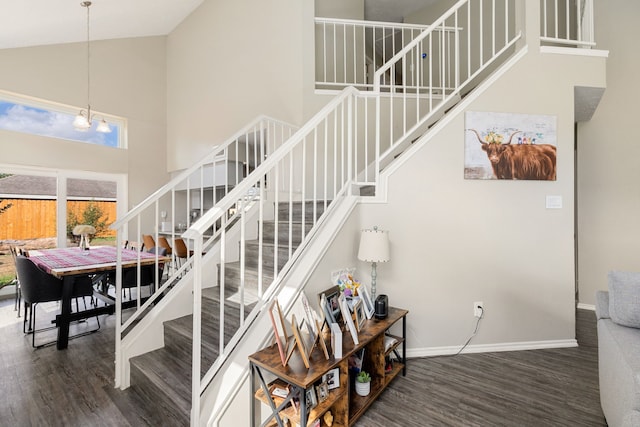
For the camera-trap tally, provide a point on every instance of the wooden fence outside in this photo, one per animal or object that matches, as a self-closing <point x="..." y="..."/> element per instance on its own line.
<point x="35" y="219"/>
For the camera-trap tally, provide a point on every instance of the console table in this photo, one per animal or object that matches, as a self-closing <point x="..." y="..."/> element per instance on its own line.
<point x="345" y="405"/>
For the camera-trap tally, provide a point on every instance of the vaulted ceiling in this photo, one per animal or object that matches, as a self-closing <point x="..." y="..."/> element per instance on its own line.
<point x="39" y="22"/>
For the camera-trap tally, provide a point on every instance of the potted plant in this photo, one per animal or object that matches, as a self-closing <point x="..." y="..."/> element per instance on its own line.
<point x="363" y="383"/>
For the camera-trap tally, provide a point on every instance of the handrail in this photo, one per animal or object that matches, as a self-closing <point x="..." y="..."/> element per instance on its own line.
<point x="168" y="212"/>
<point x="426" y="85"/>
<point x="322" y="161"/>
<point x="207" y="220"/>
<point x="576" y="30"/>
<point x="212" y="156"/>
<point x="352" y="50"/>
<point x="310" y="171"/>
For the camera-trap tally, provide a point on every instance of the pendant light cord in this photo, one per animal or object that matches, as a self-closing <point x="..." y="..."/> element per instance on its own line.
<point x="87" y="4"/>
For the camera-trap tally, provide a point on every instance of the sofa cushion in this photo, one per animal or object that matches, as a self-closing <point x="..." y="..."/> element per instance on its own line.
<point x="624" y="298"/>
<point x="602" y="305"/>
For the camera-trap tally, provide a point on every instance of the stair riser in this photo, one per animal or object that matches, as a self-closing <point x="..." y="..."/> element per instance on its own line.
<point x="296" y="214"/>
<point x="232" y="277"/>
<point x="252" y="258"/>
<point x="283" y="231"/>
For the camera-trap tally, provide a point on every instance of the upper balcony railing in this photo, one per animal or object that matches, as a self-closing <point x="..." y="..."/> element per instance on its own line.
<point x="567" y="23"/>
<point x="349" y="52"/>
<point x="487" y="33"/>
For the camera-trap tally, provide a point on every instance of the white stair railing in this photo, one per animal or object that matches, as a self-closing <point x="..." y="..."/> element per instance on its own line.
<point x="425" y="86"/>
<point x="314" y="169"/>
<point x="175" y="206"/>
<point x="328" y="157"/>
<point x="567" y="23"/>
<point x="349" y="52"/>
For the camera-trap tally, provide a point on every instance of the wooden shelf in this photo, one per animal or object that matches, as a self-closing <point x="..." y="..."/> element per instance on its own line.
<point x="399" y="340"/>
<point x="294" y="415"/>
<point x="345" y="405"/>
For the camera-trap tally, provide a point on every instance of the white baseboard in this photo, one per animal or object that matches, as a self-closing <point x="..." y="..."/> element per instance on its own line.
<point x="491" y="348"/>
<point x="586" y="306"/>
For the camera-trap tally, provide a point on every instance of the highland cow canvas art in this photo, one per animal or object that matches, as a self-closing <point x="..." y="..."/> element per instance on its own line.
<point x="510" y="146"/>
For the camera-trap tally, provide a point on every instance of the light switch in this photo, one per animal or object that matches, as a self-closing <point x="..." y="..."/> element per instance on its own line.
<point x="554" y="202"/>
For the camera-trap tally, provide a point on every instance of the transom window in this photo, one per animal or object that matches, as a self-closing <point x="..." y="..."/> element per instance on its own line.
<point x="56" y="121"/>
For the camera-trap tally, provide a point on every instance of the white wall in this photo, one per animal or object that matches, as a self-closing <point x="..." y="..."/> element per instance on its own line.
<point x="128" y="80"/>
<point x="456" y="241"/>
<point x="227" y="63"/>
<point x="608" y="153"/>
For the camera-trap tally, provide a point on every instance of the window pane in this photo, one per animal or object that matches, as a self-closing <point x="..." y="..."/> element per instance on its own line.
<point x="92" y="202"/>
<point x="24" y="118"/>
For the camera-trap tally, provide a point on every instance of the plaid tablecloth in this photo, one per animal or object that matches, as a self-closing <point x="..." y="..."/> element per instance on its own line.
<point x="60" y="258"/>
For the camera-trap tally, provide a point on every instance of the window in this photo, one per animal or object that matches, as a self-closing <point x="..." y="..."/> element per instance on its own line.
<point x="38" y="118"/>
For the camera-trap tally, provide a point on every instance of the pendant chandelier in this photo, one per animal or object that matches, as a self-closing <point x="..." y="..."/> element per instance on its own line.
<point x="82" y="122"/>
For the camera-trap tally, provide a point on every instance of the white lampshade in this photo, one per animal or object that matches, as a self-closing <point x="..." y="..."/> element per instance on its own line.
<point x="81" y="122"/>
<point x="103" y="127"/>
<point x="374" y="246"/>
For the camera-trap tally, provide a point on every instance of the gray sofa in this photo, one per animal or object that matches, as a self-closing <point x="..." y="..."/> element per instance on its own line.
<point x="618" y="314"/>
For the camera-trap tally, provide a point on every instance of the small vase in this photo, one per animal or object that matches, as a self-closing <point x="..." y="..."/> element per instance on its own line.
<point x="363" y="389"/>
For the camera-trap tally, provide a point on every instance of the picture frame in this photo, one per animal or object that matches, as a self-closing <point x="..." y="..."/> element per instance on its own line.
<point x="310" y="398"/>
<point x="309" y="313"/>
<point x="346" y="314"/>
<point x="336" y="340"/>
<point x="299" y="343"/>
<point x="332" y="378"/>
<point x="278" y="331"/>
<point x="369" y="308"/>
<point x="320" y="338"/>
<point x="326" y="314"/>
<point x="322" y="391"/>
<point x="332" y="306"/>
<point x="358" y="310"/>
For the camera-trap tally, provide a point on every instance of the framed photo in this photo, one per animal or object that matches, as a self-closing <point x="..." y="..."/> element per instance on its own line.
<point x="369" y="309"/>
<point x="358" y="310"/>
<point x="322" y="391"/>
<point x="332" y="378"/>
<point x="299" y="343"/>
<point x="332" y="305"/>
<point x="309" y="313"/>
<point x="326" y="314"/>
<point x="346" y="314"/>
<point x="310" y="398"/>
<point x="278" y="331"/>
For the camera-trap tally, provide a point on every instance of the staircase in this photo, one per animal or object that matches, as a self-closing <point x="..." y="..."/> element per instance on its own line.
<point x="345" y="147"/>
<point x="164" y="375"/>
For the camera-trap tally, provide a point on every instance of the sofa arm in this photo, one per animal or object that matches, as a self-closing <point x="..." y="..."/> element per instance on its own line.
<point x="602" y="305"/>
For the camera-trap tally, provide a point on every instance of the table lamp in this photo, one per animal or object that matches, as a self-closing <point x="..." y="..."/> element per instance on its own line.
<point x="374" y="248"/>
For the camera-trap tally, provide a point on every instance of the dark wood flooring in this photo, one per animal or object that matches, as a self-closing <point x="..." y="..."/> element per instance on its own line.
<point x="74" y="387"/>
<point x="556" y="387"/>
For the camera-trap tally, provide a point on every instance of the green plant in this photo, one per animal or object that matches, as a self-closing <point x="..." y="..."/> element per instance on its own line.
<point x="363" y="377"/>
<point x="6" y="279"/>
<point x="92" y="215"/>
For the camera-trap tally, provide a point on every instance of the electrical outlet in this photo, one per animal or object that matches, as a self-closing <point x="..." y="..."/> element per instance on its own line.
<point x="478" y="309"/>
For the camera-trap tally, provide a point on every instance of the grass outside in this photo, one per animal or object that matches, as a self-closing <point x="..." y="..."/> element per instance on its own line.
<point x="7" y="268"/>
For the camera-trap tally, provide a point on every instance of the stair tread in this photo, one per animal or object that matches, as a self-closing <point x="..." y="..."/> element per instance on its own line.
<point x="167" y="373"/>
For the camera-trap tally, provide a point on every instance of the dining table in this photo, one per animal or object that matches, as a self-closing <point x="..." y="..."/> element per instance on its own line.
<point x="68" y="264"/>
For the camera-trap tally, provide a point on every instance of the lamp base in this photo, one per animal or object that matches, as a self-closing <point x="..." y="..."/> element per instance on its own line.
<point x="382" y="307"/>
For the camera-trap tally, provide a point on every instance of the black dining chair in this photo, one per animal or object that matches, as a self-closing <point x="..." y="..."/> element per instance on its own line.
<point x="38" y="287"/>
<point x="147" y="275"/>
